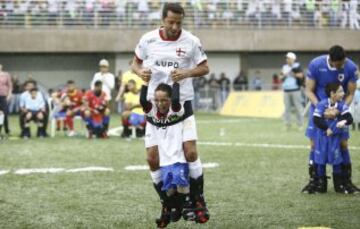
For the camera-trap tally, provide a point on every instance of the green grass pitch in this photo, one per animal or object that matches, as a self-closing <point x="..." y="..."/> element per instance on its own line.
<point x="253" y="187"/>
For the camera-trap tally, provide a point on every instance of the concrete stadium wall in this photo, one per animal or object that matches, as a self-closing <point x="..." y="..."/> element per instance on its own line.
<point x="217" y="40"/>
<point x="53" y="70"/>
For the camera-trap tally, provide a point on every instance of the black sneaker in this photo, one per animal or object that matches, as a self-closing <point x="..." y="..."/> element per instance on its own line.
<point x="316" y="185"/>
<point x="188" y="212"/>
<point x="165" y="217"/>
<point x="201" y="212"/>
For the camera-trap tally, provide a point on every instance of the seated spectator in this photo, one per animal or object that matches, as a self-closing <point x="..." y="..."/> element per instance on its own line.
<point x="133" y="114"/>
<point x="276" y="82"/>
<point x="28" y="85"/>
<point x="96" y="112"/>
<point x="34" y="110"/>
<point x="73" y="105"/>
<point x="59" y="113"/>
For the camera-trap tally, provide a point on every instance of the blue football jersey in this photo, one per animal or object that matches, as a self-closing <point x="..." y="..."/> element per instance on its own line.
<point x="320" y="70"/>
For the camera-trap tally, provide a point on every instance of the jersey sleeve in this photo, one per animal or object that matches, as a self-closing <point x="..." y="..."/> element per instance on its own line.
<point x="344" y="108"/>
<point x="354" y="74"/>
<point x="199" y="55"/>
<point x="312" y="71"/>
<point x="141" y="50"/>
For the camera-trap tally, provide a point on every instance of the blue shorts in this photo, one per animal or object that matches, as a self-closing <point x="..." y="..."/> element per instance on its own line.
<point x="311" y="128"/>
<point x="175" y="175"/>
<point x="136" y="119"/>
<point x="327" y="149"/>
<point x="60" y="115"/>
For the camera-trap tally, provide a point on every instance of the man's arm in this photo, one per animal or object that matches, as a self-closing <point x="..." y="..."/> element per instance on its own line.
<point x="10" y="84"/>
<point x="310" y="91"/>
<point x="146" y="105"/>
<point x="137" y="68"/>
<point x="351" y="92"/>
<point x="200" y="70"/>
<point x="175" y="97"/>
<point x="121" y="92"/>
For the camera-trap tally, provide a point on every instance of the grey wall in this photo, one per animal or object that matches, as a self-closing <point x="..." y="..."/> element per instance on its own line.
<point x="53" y="70"/>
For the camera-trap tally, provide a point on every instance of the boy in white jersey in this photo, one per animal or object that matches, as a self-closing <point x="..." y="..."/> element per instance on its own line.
<point x="168" y="112"/>
<point x="165" y="55"/>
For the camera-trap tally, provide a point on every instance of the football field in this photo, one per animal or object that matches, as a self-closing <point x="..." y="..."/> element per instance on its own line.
<point x="83" y="183"/>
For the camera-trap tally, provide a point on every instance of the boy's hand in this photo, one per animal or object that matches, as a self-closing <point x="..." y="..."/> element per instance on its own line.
<point x="329" y="132"/>
<point x="341" y="124"/>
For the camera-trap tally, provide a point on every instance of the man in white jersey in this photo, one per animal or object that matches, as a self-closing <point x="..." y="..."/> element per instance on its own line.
<point x="106" y="77"/>
<point x="166" y="55"/>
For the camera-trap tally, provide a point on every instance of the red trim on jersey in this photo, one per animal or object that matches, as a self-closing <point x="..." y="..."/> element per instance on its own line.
<point x="138" y="59"/>
<point x="204" y="61"/>
<point x="161" y="33"/>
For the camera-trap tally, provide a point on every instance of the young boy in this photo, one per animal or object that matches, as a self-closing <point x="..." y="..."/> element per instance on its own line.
<point x="168" y="111"/>
<point x="329" y="134"/>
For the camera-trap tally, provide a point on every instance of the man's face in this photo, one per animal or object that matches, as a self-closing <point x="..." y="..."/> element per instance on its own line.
<point x="29" y="86"/>
<point x="162" y="101"/>
<point x="104" y="69"/>
<point x="131" y="86"/>
<point x="339" y="64"/>
<point x="71" y="87"/>
<point x="289" y="61"/>
<point x="33" y="94"/>
<point x="97" y="90"/>
<point x="172" y="24"/>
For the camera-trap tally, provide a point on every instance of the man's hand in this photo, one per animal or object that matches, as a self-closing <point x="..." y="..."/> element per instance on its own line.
<point x="179" y="74"/>
<point x="341" y="124"/>
<point x="144" y="74"/>
<point x="329" y="132"/>
<point x="8" y="98"/>
<point x="331" y="113"/>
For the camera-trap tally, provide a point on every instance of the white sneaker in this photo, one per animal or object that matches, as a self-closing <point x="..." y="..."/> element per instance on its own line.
<point x="71" y="133"/>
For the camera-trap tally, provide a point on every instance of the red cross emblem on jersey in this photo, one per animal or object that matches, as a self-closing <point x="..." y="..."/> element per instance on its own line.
<point x="180" y="52"/>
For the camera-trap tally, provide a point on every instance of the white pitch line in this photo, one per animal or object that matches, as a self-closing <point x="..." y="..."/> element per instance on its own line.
<point x="38" y="170"/>
<point x="261" y="145"/>
<point x="61" y="170"/>
<point x="3" y="172"/>
<point x="145" y="167"/>
<point x="90" y="169"/>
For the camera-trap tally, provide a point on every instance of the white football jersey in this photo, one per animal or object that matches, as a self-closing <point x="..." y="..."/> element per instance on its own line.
<point x="171" y="116"/>
<point x="162" y="56"/>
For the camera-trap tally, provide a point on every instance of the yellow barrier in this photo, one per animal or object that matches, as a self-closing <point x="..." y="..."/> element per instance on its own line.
<point x="264" y="104"/>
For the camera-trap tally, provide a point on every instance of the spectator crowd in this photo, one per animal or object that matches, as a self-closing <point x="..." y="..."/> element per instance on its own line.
<point x="201" y="13"/>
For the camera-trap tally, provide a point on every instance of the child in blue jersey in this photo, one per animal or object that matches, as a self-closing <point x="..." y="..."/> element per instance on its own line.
<point x="328" y="135"/>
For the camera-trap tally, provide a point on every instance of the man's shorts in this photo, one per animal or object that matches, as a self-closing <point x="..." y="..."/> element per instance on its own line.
<point x="136" y="119"/>
<point x="189" y="132"/>
<point x="34" y="115"/>
<point x="175" y="175"/>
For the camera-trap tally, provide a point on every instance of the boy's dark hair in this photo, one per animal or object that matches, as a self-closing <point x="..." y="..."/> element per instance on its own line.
<point x="30" y="81"/>
<point x="173" y="7"/>
<point x="33" y="89"/>
<point x="70" y="82"/>
<point x="331" y="87"/>
<point x="165" y="88"/>
<point x="98" y="83"/>
<point x="337" y="53"/>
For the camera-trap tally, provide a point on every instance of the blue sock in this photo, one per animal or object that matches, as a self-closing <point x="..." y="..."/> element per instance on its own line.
<point x="321" y="170"/>
<point x="346" y="156"/>
<point x="337" y="169"/>
<point x="311" y="157"/>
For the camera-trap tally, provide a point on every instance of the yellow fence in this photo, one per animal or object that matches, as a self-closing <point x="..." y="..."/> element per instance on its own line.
<point x="264" y="104"/>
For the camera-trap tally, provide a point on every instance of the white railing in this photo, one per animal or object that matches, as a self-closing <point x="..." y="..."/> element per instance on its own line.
<point x="199" y="13"/>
